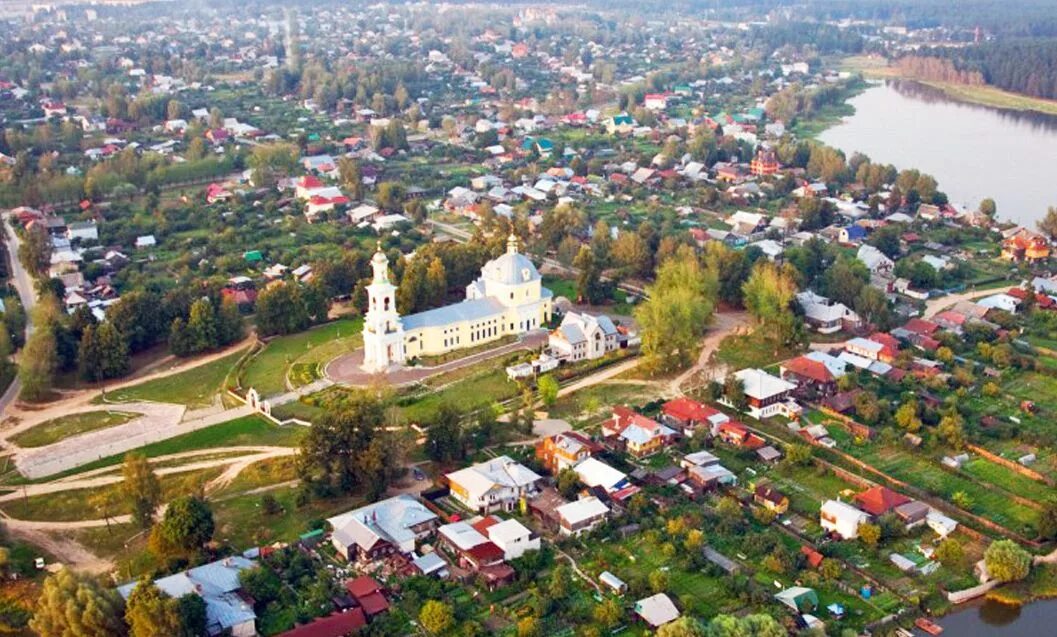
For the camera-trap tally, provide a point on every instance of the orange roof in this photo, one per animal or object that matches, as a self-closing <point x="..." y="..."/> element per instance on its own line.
<point x="807" y="368"/>
<point x="688" y="410"/>
<point x="879" y="500"/>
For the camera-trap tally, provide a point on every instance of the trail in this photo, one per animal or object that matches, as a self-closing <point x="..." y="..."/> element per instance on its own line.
<point x="725" y="324"/>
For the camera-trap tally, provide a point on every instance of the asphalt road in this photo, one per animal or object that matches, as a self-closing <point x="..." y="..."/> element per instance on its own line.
<point x="24" y="284"/>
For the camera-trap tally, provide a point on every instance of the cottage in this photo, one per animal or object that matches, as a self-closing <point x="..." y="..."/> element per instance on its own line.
<point x="875" y="260"/>
<point x="582" y="336"/>
<point x="657" y="610"/>
<point x="879" y="500"/>
<point x="770" y="498"/>
<point x="498" y="484"/>
<point x="686" y="415"/>
<point x="390" y="526"/>
<point x="565" y="450"/>
<point x="842" y="519"/>
<point x="766" y="394"/>
<point x="816" y="371"/>
<point x="826" y="316"/>
<point x="510" y="535"/>
<point x="581" y="516"/>
<point x="639" y="435"/>
<point x="595" y="473"/>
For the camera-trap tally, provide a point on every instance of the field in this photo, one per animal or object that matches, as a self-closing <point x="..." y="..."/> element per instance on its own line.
<point x="741" y="351"/>
<point x="267" y="370"/>
<point x="196" y="387"/>
<point x="55" y="430"/>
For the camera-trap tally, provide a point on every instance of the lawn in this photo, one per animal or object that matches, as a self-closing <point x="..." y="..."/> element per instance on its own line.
<point x="55" y="430"/>
<point x="470" y="394"/>
<point x="242" y="523"/>
<point x="196" y="387"/>
<point x="751" y="350"/>
<point x="266" y="371"/>
<point x="248" y="430"/>
<point x="79" y="504"/>
<point x="597" y="400"/>
<point x="994" y="473"/>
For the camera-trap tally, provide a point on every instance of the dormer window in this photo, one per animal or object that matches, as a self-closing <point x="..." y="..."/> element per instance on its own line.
<point x="525" y="274"/>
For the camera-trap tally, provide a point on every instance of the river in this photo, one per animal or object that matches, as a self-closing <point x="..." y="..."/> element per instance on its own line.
<point x="973" y="151"/>
<point x="994" y="619"/>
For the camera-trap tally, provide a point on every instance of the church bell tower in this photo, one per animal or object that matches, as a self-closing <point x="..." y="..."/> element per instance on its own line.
<point x="383" y="332"/>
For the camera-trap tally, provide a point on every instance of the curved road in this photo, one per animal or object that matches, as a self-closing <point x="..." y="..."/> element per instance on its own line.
<point x="24" y="284"/>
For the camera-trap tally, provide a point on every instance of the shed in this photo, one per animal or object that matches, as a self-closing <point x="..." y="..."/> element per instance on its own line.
<point x="799" y="598"/>
<point x="722" y="561"/>
<point x="613" y="582"/>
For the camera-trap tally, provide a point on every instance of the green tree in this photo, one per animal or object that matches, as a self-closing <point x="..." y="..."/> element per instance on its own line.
<point x="103" y="353"/>
<point x="679" y="307"/>
<point x="1048" y="224"/>
<point x="445" y="438"/>
<point x="769" y="295"/>
<point x="589" y="288"/>
<point x="37" y="364"/>
<point x="950" y="553"/>
<point x="186" y="526"/>
<point x="734" y="392"/>
<point x="548" y="389"/>
<point x="568" y="483"/>
<point x="77" y="605"/>
<point x="869" y="534"/>
<point x="272" y="162"/>
<point x="261" y="583"/>
<point x="1006" y="561"/>
<point x="35" y="251"/>
<point x="281" y="309"/>
<point x="348" y="449"/>
<point x="141" y="488"/>
<point x="202" y="325"/>
<point x="988" y="207"/>
<point x="151" y="613"/>
<point x="351" y="177"/>
<point x="1048" y="521"/>
<point x="436" y="617"/>
<point x="685" y="626"/>
<point x="608" y="613"/>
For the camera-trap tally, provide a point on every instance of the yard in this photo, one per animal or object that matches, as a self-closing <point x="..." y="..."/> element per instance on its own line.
<point x="751" y="350"/>
<point x="55" y="430"/>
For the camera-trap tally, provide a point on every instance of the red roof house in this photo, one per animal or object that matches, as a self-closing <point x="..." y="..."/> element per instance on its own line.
<point x="879" y="500"/>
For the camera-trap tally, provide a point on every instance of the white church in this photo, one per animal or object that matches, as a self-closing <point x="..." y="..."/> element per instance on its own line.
<point x="507" y="299"/>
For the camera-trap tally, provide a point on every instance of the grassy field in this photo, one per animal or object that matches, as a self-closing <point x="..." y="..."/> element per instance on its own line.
<point x="70" y="506"/>
<point x="195" y="387"/>
<point x="752" y="350"/>
<point x="595" y="402"/>
<point x="241" y="523"/>
<point x="248" y="430"/>
<point x="470" y="394"/>
<point x="266" y="372"/>
<point x="55" y="430"/>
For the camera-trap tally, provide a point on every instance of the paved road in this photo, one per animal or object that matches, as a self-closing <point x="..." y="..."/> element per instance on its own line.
<point x="24" y="285"/>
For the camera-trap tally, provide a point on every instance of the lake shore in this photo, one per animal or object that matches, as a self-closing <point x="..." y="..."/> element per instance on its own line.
<point x="878" y="68"/>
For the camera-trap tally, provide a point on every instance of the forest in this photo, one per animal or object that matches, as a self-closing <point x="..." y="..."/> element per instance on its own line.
<point x="1022" y="66"/>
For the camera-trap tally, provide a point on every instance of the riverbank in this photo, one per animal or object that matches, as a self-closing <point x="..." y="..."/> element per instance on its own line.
<point x="811" y="126"/>
<point x="873" y="67"/>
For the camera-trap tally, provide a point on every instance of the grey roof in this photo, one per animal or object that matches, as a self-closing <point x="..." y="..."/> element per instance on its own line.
<point x="389" y="520"/>
<point x="449" y="314"/>
<point x="216" y="584"/>
<point x="510" y="269"/>
<point x="572" y="333"/>
<point x="430" y="563"/>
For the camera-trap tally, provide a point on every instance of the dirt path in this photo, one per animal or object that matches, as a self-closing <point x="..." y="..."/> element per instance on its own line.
<point x="70" y="551"/>
<point x="937" y="305"/>
<point x="724" y="325"/>
<point x="599" y="377"/>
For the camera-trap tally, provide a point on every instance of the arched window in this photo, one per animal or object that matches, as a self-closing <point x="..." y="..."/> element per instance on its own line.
<point x="386" y="302"/>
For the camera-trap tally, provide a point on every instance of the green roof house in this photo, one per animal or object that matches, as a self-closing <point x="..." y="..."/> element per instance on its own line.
<point x="253" y="256"/>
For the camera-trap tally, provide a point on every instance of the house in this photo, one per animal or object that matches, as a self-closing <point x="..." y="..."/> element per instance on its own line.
<point x="699" y="459"/>
<point x="912" y="514"/>
<point x="764" y="163"/>
<point x="639" y="435"/>
<point x="389" y="526"/>
<point x="816" y="371"/>
<point x="336" y="624"/>
<point x="851" y="235"/>
<point x="878" y="347"/>
<point x="363" y="213"/>
<point x="368" y="595"/>
<point x="713" y="476"/>
<point x="879" y="500"/>
<point x="940" y="523"/>
<point x="217" y="583"/>
<point x="472" y="549"/>
<point x="738" y="435"/>
<point x="498" y="484"/>
<point x="655" y="101"/>
<point x="595" y="473"/>
<point x="875" y="260"/>
<point x="510" y="535"/>
<point x="146" y="241"/>
<point x="83" y="231"/>
<point x="565" y="450"/>
<point x="1025" y="245"/>
<point x="811" y="556"/>
<point x="842" y="519"/>
<point x="621" y="124"/>
<point x="657" y="610"/>
<point x="686" y="415"/>
<point x="613" y="582"/>
<point x="825" y="315"/>
<point x="770" y="498"/>
<point x="583" y="337"/>
<point x="747" y="224"/>
<point x="799" y="598"/>
<point x="767" y="394"/>
<point x="581" y="516"/>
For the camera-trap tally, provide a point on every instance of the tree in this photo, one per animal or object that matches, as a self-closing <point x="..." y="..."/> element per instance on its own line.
<point x="35" y="251"/>
<point x="988" y="207"/>
<point x="679" y="307"/>
<point x="734" y="392"/>
<point x="685" y="626"/>
<point x="548" y="389"/>
<point x="390" y="195"/>
<point x="192" y="610"/>
<point x="907" y="416"/>
<point x="950" y="553"/>
<point x="1006" y="561"/>
<point x="141" y="488"/>
<point x="436" y="617"/>
<point x="589" y="288"/>
<point x="1048" y="521"/>
<point x="608" y="613"/>
<point x="186" y="526"/>
<point x="348" y="449"/>
<point x="36" y="370"/>
<point x="658" y="580"/>
<point x="830" y="568"/>
<point x="951" y="431"/>
<point x="351" y="176"/>
<point x="140" y="318"/>
<point x="445" y="439"/>
<point x="568" y="483"/>
<point x="202" y="325"/>
<point x="151" y="613"/>
<point x="77" y="605"/>
<point x="281" y="309"/>
<point x="1048" y="224"/>
<point x="758" y="625"/>
<point x="768" y="296"/>
<point x="528" y="627"/>
<point x="271" y="162"/>
<point x="869" y="534"/>
<point x="261" y="583"/>
<point x="962" y="500"/>
<point x="632" y="254"/>
<point x="103" y="353"/>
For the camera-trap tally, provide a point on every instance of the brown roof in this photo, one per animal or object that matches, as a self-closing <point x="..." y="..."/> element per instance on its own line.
<point x="336" y="625"/>
<point x="879" y="500"/>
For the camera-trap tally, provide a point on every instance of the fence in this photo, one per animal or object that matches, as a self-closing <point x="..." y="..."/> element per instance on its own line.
<point x="1012" y="466"/>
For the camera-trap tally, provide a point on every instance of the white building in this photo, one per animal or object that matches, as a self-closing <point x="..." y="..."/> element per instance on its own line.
<point x="583" y="337"/>
<point x="507" y="299"/>
<point x="768" y="395"/>
<point x="595" y="473"/>
<point x="392" y="525"/>
<point x="576" y="518"/>
<point x="842" y="518"/>
<point x="514" y="538"/>
<point x="494" y="485"/>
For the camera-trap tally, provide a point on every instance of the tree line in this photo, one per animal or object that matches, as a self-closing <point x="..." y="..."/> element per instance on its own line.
<point x="1026" y="66"/>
